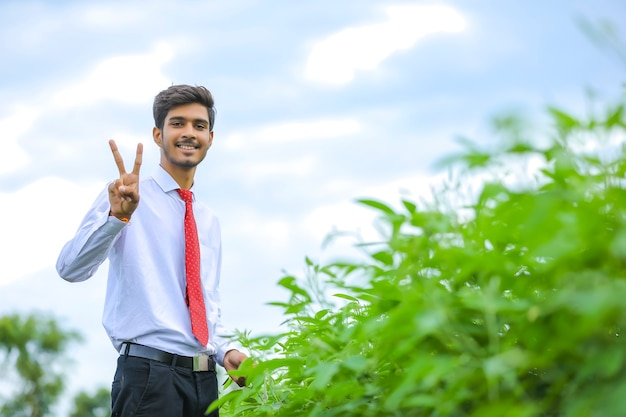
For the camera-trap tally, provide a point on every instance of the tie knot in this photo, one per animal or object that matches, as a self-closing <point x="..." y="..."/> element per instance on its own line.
<point x="186" y="195"/>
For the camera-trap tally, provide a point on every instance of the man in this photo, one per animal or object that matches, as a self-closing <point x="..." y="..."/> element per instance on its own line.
<point x="162" y="306"/>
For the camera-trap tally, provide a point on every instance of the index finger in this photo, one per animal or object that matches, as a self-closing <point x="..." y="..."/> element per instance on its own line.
<point x="118" y="158"/>
<point x="138" y="159"/>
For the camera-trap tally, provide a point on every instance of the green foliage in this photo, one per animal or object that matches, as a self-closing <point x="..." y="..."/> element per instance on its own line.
<point x="511" y="303"/>
<point x="33" y="348"/>
<point x="97" y="404"/>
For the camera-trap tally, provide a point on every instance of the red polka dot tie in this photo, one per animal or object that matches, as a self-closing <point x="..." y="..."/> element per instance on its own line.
<point x="195" y="297"/>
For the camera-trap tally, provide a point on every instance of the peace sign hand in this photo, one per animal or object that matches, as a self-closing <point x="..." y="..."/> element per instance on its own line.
<point x="124" y="192"/>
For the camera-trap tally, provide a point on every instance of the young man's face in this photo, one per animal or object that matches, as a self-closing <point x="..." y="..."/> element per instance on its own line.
<point x="185" y="137"/>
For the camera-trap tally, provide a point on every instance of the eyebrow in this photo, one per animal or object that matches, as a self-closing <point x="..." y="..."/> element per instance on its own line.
<point x="181" y="118"/>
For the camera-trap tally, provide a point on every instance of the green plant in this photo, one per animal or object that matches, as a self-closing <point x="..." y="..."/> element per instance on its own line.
<point x="508" y="302"/>
<point x="32" y="365"/>
<point x="96" y="404"/>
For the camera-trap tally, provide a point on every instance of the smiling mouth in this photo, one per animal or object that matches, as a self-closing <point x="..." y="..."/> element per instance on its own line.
<point x="186" y="147"/>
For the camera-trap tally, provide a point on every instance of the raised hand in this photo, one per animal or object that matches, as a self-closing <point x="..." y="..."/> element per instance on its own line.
<point x="124" y="192"/>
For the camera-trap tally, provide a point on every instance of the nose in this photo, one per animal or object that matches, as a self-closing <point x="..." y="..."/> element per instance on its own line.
<point x="189" y="131"/>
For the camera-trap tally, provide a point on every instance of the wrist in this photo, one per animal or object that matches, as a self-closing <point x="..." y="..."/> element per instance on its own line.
<point x="123" y="217"/>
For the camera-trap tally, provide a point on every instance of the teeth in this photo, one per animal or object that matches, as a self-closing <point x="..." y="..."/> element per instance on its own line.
<point x="189" y="147"/>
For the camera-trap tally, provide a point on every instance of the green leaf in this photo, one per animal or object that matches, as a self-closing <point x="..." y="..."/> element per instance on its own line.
<point x="346" y="297"/>
<point x="377" y="205"/>
<point x="320" y="314"/>
<point x="410" y="206"/>
<point x="290" y="283"/>
<point x="383" y="257"/>
<point x="322" y="374"/>
<point x="563" y="121"/>
<point x="616" y="117"/>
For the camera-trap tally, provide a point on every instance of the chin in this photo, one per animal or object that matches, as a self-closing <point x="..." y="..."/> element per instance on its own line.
<point x="186" y="164"/>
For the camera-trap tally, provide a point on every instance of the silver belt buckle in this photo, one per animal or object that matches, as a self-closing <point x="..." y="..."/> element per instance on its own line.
<point x="201" y="363"/>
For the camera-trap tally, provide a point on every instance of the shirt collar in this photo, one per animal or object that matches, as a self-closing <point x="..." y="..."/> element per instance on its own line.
<point x="165" y="180"/>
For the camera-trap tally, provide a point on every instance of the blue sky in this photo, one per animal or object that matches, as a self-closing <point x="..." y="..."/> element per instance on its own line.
<point x="318" y="103"/>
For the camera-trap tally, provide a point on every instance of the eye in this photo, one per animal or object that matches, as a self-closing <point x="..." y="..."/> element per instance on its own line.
<point x="200" y="126"/>
<point x="176" y="124"/>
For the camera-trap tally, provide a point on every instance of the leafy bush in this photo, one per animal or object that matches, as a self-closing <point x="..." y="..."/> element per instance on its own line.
<point x="32" y="363"/>
<point x="510" y="303"/>
<point x="95" y="404"/>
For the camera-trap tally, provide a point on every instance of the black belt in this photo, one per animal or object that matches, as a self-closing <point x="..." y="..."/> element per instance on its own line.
<point x="200" y="363"/>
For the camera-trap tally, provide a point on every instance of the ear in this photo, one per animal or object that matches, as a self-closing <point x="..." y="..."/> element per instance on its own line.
<point x="210" y="138"/>
<point x="157" y="135"/>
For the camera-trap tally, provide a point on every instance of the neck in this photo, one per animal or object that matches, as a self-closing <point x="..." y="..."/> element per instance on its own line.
<point x="182" y="176"/>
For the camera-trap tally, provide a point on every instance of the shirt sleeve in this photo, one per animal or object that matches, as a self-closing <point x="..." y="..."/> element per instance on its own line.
<point x="86" y="251"/>
<point x="222" y="343"/>
<point x="220" y="339"/>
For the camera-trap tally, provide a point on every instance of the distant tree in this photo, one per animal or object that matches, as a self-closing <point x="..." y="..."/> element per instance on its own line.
<point x="32" y="359"/>
<point x="96" y="405"/>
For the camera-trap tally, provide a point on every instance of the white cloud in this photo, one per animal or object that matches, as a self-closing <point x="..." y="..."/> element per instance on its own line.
<point x="126" y="78"/>
<point x="350" y="216"/>
<point x="130" y="141"/>
<point x="255" y="229"/>
<point x="132" y="79"/>
<point x="284" y="166"/>
<point x="12" y="127"/>
<point x="36" y="221"/>
<point x="291" y="132"/>
<point x="105" y="16"/>
<point x="341" y="216"/>
<point x="335" y="59"/>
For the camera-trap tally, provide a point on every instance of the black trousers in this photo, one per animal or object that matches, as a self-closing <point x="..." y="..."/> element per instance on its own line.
<point x="143" y="387"/>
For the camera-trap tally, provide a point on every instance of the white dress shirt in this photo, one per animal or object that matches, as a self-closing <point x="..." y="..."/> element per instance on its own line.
<point x="145" y="298"/>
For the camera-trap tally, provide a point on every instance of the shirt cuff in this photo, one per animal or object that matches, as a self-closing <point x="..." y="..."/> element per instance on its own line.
<point x="113" y="225"/>
<point x="222" y="350"/>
